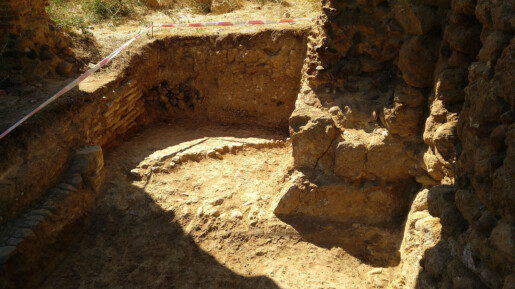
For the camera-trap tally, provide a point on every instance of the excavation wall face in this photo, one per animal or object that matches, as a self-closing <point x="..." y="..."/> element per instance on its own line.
<point x="417" y="94"/>
<point x="202" y="78"/>
<point x="228" y="79"/>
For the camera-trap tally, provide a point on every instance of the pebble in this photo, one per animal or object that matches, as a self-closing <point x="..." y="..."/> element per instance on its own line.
<point x="214" y="212"/>
<point x="217" y="201"/>
<point x="155" y="169"/>
<point x="236" y="215"/>
<point x="375" y="271"/>
<point x="211" y="153"/>
<point x="320" y="68"/>
<point x="195" y="200"/>
<point x="248" y="203"/>
<point x="252" y="223"/>
<point x="135" y="172"/>
<point x="200" y="211"/>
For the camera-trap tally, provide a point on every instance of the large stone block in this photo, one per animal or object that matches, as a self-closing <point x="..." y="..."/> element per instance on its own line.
<point x="350" y="156"/>
<point x="312" y="132"/>
<point x="417" y="60"/>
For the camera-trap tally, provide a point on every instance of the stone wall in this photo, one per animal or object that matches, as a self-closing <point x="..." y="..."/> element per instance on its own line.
<point x="31" y="47"/>
<point x="34" y="157"/>
<point x="477" y="214"/>
<point x="32" y="241"/>
<point x="400" y="96"/>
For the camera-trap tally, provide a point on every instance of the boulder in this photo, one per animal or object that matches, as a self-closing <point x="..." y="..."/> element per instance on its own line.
<point x="417" y="60"/>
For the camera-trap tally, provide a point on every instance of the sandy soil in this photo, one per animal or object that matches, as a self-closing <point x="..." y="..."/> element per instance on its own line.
<point x="201" y="224"/>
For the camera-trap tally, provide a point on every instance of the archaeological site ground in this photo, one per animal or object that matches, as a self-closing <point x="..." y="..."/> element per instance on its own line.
<point x="363" y="144"/>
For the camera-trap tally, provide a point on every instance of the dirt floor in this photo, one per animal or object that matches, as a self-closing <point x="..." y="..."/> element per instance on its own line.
<point x="163" y="221"/>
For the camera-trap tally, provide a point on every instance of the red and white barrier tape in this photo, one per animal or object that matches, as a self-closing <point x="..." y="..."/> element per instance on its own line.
<point x="117" y="51"/>
<point x="234" y="23"/>
<point x="75" y="82"/>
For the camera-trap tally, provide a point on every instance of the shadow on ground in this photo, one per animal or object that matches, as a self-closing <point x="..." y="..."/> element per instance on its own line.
<point x="131" y="242"/>
<point x="377" y="246"/>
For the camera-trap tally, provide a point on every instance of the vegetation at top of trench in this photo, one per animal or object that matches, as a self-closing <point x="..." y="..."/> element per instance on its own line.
<point x="80" y="13"/>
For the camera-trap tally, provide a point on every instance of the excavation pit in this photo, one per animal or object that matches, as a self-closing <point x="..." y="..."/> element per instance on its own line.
<point x="195" y="134"/>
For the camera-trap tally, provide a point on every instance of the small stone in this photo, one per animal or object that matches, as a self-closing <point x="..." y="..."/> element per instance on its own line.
<point x="14" y="241"/>
<point x="334" y="110"/>
<point x="211" y="153"/>
<point x="32" y="54"/>
<point x="375" y="271"/>
<point x="217" y="201"/>
<point x="236" y="215"/>
<point x="320" y="68"/>
<point x="6" y="253"/>
<point x="67" y="187"/>
<point x="64" y="68"/>
<point x="40" y="212"/>
<point x="46" y="55"/>
<point x="508" y="117"/>
<point x="248" y="203"/>
<point x="68" y="58"/>
<point x="200" y="211"/>
<point x="214" y="212"/>
<point x="172" y="164"/>
<point x="195" y="200"/>
<point x="155" y="169"/>
<point x="135" y="172"/>
<point x="253" y="223"/>
<point x="23" y="233"/>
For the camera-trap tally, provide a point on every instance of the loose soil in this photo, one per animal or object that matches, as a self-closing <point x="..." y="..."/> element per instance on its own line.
<point x="201" y="224"/>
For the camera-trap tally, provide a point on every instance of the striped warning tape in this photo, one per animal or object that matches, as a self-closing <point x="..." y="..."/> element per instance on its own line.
<point x="75" y="82"/>
<point x="126" y="44"/>
<point x="237" y="22"/>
